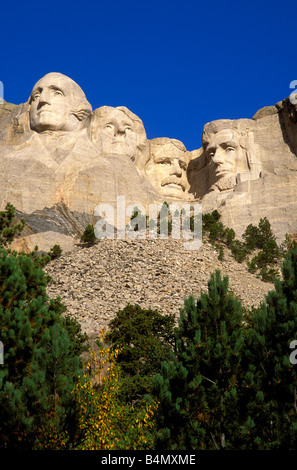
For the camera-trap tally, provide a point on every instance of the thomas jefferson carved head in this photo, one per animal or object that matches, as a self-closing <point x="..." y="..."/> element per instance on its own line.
<point x="167" y="167"/>
<point x="57" y="103"/>
<point x="118" y="131"/>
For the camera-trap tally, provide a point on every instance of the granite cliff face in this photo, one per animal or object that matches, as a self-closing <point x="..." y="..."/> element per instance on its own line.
<point x="5" y="108"/>
<point x="266" y="186"/>
<point x="60" y="159"/>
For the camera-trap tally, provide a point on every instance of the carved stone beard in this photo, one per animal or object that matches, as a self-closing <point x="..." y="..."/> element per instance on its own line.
<point x="225" y="183"/>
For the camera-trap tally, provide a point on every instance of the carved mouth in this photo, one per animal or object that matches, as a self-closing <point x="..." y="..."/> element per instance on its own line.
<point x="222" y="172"/>
<point x="119" y="143"/>
<point x="44" y="111"/>
<point x="173" y="185"/>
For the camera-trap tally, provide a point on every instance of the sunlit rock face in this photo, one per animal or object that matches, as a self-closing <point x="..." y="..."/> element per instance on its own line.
<point x="58" y="104"/>
<point x="59" y="160"/>
<point x="230" y="151"/>
<point x="5" y="108"/>
<point x="118" y="131"/>
<point x="251" y="169"/>
<point x="45" y="144"/>
<point x="57" y="108"/>
<point x="167" y="167"/>
<point x="55" y="169"/>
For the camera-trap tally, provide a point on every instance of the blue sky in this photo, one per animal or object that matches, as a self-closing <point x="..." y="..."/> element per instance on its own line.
<point x="175" y="65"/>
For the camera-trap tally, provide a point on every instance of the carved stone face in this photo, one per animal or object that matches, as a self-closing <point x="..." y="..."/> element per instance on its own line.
<point x="57" y="103"/>
<point x="167" y="168"/>
<point x="230" y="152"/>
<point x="225" y="154"/>
<point x="114" y="133"/>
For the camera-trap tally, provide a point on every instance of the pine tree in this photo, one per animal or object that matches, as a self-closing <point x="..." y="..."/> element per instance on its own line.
<point x="144" y="338"/>
<point x="198" y="390"/>
<point x="270" y="382"/>
<point x="89" y="237"/>
<point x="40" y="355"/>
<point x="9" y="228"/>
<point x="171" y="387"/>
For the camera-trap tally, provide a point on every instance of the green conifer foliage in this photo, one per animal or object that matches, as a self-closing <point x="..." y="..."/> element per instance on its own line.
<point x="270" y="382"/>
<point x="198" y="390"/>
<point x="8" y="228"/>
<point x="89" y="237"/>
<point x="40" y="362"/>
<point x="144" y="338"/>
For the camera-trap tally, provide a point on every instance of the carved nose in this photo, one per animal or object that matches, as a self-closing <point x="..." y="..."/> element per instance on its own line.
<point x="176" y="169"/>
<point x="118" y="130"/>
<point x="44" y="98"/>
<point x="121" y="130"/>
<point x="218" y="158"/>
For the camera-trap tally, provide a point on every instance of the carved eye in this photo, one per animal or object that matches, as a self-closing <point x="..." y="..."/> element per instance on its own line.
<point x="108" y="126"/>
<point x="35" y="96"/>
<point x="58" y="92"/>
<point x="230" y="149"/>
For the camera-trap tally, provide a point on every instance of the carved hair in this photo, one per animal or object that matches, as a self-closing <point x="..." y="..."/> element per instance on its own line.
<point x="100" y="113"/>
<point x="160" y="142"/>
<point x="241" y="127"/>
<point x="166" y="140"/>
<point x="82" y="109"/>
<point x="141" y="139"/>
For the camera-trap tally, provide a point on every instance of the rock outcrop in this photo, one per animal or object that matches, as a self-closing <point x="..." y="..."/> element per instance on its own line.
<point x="5" y="108"/>
<point x="52" y="168"/>
<point x="246" y="170"/>
<point x="60" y="160"/>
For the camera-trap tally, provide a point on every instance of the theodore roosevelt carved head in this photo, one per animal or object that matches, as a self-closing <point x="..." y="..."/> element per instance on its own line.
<point x="118" y="131"/>
<point x="167" y="167"/>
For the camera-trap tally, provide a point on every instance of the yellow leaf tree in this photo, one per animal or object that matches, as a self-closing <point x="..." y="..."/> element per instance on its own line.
<point x="105" y="421"/>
